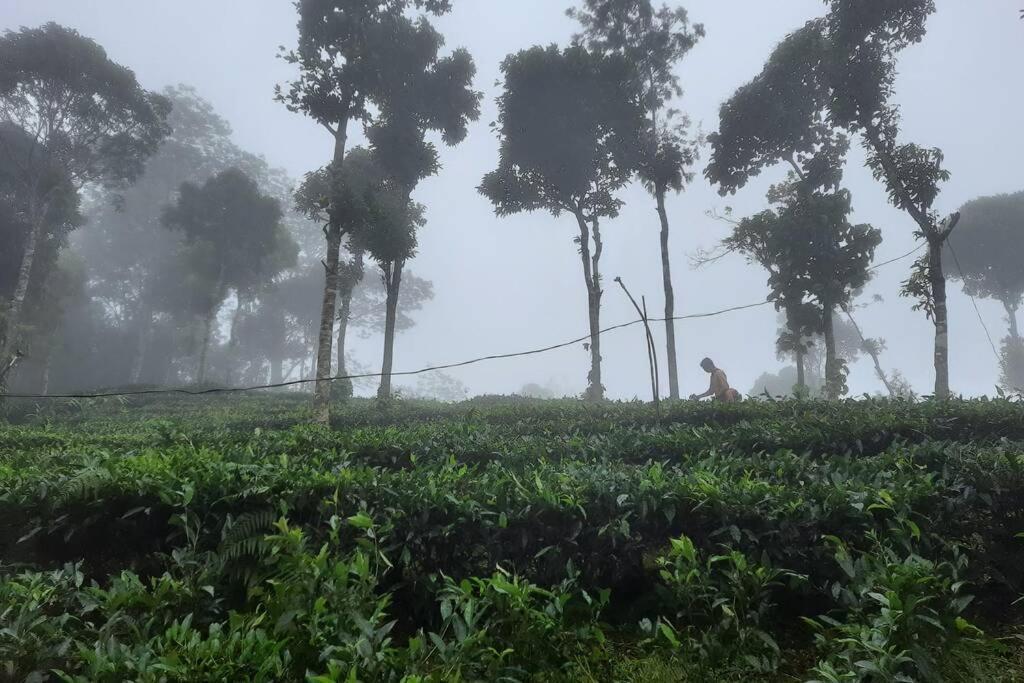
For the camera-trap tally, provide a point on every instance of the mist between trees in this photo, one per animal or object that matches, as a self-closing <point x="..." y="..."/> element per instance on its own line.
<point x="143" y="247"/>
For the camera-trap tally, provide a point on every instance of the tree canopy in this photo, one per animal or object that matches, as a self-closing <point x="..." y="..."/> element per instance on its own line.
<point x="569" y="125"/>
<point x="990" y="248"/>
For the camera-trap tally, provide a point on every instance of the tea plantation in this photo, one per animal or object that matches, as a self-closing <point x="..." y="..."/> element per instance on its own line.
<point x="225" y="539"/>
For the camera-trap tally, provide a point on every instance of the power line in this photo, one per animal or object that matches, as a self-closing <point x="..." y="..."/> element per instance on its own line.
<point x="898" y="258"/>
<point x="973" y="301"/>
<point x="433" y="368"/>
<point x="407" y="373"/>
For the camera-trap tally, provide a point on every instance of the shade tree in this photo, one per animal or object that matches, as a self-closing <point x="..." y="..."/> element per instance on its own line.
<point x="85" y="115"/>
<point x="987" y="258"/>
<point x="569" y="126"/>
<point x="235" y="241"/>
<point x="655" y="40"/>
<point x="344" y="47"/>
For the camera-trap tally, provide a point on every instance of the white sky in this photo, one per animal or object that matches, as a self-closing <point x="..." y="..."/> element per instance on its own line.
<point x="515" y="283"/>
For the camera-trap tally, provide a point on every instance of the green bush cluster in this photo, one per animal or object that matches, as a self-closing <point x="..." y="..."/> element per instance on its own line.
<point x="507" y="540"/>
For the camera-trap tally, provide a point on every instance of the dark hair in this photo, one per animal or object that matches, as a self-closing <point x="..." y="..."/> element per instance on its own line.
<point x="707" y="362"/>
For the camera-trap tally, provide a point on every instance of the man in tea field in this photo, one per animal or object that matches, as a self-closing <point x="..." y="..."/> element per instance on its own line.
<point x="719" y="388"/>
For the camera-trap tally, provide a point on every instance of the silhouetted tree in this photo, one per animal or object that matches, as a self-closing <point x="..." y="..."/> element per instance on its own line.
<point x="990" y="256"/>
<point x="419" y="92"/>
<point x="344" y="46"/>
<point x="655" y="41"/>
<point x="87" y="116"/>
<point x="569" y="125"/>
<point x="807" y="242"/>
<point x="239" y="242"/>
<point x="125" y="248"/>
<point x="843" y="66"/>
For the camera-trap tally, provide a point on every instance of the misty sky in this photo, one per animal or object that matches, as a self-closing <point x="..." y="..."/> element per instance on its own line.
<point x="506" y="284"/>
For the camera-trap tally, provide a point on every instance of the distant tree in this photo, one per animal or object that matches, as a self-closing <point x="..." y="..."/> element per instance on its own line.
<point x="437" y="386"/>
<point x="655" y="41"/>
<point x="990" y="255"/>
<point x="85" y="115"/>
<point x="344" y="46"/>
<point x="239" y="241"/>
<point x="127" y="251"/>
<point x="569" y="123"/>
<point x="991" y="252"/>
<point x="810" y="250"/>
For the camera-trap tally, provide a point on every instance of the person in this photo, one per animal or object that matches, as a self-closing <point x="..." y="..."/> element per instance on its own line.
<point x="719" y="388"/>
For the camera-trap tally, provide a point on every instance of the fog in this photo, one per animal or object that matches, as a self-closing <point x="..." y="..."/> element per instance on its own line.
<point x="506" y="284"/>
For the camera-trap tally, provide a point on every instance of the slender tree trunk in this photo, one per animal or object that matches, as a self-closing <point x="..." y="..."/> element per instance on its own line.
<point x="935" y="236"/>
<point x="666" y="277"/>
<point x="801" y="372"/>
<point x="592" y="278"/>
<point x="322" y="392"/>
<point x="799" y="352"/>
<point x="233" y="341"/>
<point x="392" y="285"/>
<point x="344" y="387"/>
<point x="872" y="351"/>
<point x="832" y="375"/>
<point x="44" y="378"/>
<point x="1011" y="319"/>
<point x="205" y="346"/>
<point x="11" y="320"/>
<point x="940" y="316"/>
<point x="142" y="342"/>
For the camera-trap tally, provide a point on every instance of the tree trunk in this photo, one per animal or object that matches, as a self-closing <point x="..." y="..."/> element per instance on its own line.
<point x="44" y="379"/>
<point x="666" y="277"/>
<point x="1011" y="319"/>
<point x="392" y="285"/>
<point x="12" y="316"/>
<point x="872" y="351"/>
<point x="344" y="387"/>
<point x="205" y="346"/>
<point x="940" y="316"/>
<point x="832" y="374"/>
<point x="322" y="391"/>
<point x="801" y="373"/>
<point x="145" y="324"/>
<point x="276" y="375"/>
<point x="233" y="341"/>
<point x="592" y="277"/>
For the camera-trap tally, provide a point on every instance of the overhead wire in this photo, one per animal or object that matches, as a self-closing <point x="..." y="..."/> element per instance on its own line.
<point x="406" y="373"/>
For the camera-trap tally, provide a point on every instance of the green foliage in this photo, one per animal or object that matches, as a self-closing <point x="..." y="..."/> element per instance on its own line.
<point x="569" y="123"/>
<point x="900" y="611"/>
<point x="505" y="539"/>
<point x="724" y="603"/>
<point x="989" y="248"/>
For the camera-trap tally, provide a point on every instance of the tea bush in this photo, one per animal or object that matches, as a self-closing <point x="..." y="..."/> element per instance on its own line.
<point x="226" y="539"/>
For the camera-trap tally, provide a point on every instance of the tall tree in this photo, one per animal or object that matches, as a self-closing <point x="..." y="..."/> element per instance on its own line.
<point x="844" y="67"/>
<point x="807" y="243"/>
<point x="15" y="232"/>
<point x="988" y="259"/>
<point x="239" y="242"/>
<point x="349" y="200"/>
<point x="420" y="92"/>
<point x="84" y="114"/>
<point x="343" y="47"/>
<point x="811" y="252"/>
<point x="569" y="125"/>
<point x="655" y="41"/>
